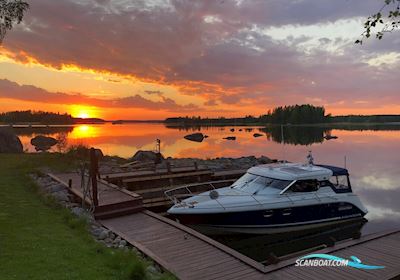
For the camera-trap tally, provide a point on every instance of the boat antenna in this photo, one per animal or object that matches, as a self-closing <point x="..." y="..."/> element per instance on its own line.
<point x="283" y="144"/>
<point x="310" y="158"/>
<point x="345" y="162"/>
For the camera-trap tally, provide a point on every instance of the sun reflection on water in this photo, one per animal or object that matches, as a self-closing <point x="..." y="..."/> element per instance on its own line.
<point x="83" y="131"/>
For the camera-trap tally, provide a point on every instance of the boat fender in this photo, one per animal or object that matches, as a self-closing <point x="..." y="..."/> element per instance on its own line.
<point x="214" y="194"/>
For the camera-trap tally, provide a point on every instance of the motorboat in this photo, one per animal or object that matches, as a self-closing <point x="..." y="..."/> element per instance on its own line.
<point x="271" y="198"/>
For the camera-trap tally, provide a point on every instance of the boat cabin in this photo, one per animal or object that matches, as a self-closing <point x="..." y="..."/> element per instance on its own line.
<point x="294" y="178"/>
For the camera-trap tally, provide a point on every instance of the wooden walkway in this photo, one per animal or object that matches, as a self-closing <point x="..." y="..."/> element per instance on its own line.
<point x="181" y="250"/>
<point x="112" y="200"/>
<point x="191" y="255"/>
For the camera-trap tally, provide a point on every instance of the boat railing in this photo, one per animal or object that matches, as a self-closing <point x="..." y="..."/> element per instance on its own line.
<point x="185" y="191"/>
<point x="178" y="194"/>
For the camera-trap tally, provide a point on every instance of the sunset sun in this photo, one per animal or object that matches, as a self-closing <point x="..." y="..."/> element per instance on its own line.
<point x="84" y="112"/>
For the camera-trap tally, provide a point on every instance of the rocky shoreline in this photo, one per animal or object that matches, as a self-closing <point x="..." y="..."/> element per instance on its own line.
<point x="100" y="234"/>
<point x="113" y="165"/>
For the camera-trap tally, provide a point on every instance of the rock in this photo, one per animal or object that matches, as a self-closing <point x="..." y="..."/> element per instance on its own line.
<point x="148" y="156"/>
<point x="196" y="137"/>
<point x="136" y="251"/>
<point x="264" y="160"/>
<point x="55" y="188"/>
<point x="9" y="142"/>
<point x="103" y="235"/>
<point x="108" y="240"/>
<point x="43" y="143"/>
<point x="96" y="232"/>
<point x="121" y="247"/>
<point x="123" y="243"/>
<point x="230" y="138"/>
<point x="117" y="240"/>
<point x="80" y="212"/>
<point x="61" y="196"/>
<point x="152" y="270"/>
<point x="257" y="135"/>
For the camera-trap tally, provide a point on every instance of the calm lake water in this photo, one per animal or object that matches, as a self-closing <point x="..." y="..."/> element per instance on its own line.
<point x="373" y="157"/>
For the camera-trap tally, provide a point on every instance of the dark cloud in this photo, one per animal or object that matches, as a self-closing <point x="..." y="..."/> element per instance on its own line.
<point x="12" y="90"/>
<point x="209" y="48"/>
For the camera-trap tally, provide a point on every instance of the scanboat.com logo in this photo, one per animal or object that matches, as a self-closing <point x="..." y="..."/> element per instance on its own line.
<point x="329" y="260"/>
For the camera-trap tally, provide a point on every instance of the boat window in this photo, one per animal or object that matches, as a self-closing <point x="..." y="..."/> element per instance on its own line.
<point x="244" y="180"/>
<point x="254" y="183"/>
<point x="340" y="181"/>
<point x="304" y="186"/>
<point x="274" y="183"/>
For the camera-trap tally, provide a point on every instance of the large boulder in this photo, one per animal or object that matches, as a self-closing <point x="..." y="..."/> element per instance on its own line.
<point x="9" y="142"/>
<point x="148" y="156"/>
<point x="196" y="137"/>
<point x="43" y="143"/>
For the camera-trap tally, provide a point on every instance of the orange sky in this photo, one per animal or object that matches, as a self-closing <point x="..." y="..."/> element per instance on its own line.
<point x="164" y="60"/>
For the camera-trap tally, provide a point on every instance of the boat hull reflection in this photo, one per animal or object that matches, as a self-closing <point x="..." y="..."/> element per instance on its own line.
<point x="270" y="247"/>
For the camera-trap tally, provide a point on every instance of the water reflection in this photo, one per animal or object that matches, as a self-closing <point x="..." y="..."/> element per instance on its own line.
<point x="372" y="156"/>
<point x="296" y="135"/>
<point x="265" y="248"/>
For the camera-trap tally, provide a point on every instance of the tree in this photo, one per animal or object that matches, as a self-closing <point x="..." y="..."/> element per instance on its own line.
<point x="386" y="20"/>
<point x="11" y="12"/>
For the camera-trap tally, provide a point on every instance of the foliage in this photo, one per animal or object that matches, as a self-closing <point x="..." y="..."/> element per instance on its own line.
<point x="296" y="114"/>
<point x="11" y="12"/>
<point x="386" y="19"/>
<point x="36" y="117"/>
<point x="79" y="152"/>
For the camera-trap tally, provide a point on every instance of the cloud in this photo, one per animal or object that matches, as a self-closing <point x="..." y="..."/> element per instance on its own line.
<point x="13" y="90"/>
<point x="215" y="49"/>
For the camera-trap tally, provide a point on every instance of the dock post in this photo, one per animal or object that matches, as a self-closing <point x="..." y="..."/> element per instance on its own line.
<point x="168" y="167"/>
<point x="94" y="170"/>
<point x="70" y="183"/>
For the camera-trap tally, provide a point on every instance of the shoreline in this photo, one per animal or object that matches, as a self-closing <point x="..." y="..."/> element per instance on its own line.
<point x="177" y="125"/>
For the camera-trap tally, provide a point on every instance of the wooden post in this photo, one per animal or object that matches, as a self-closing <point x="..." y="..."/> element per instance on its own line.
<point x="70" y="183"/>
<point x="168" y="167"/>
<point x="94" y="170"/>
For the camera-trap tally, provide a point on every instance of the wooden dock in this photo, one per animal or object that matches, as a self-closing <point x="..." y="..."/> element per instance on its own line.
<point x="190" y="255"/>
<point x="151" y="184"/>
<point x="112" y="200"/>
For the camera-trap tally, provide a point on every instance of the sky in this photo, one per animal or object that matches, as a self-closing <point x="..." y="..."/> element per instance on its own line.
<point x="152" y="59"/>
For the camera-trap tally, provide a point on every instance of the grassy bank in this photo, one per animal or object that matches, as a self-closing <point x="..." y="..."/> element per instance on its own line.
<point x="40" y="240"/>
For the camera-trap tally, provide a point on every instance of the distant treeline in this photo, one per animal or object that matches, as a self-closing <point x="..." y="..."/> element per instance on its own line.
<point x="365" y="119"/>
<point x="296" y="114"/>
<point x="40" y="117"/>
<point x="35" y="117"/>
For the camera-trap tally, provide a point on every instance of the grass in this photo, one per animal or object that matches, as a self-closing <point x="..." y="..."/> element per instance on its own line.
<point x="41" y="240"/>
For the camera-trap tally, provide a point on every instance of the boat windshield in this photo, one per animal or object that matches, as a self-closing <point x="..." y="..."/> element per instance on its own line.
<point x="254" y="183"/>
